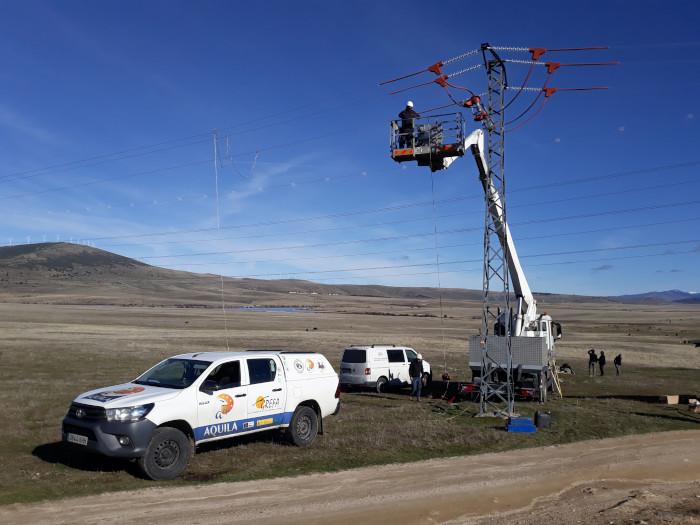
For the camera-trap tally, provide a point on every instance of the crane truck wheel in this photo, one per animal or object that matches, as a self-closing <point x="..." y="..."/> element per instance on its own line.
<point x="543" y="387"/>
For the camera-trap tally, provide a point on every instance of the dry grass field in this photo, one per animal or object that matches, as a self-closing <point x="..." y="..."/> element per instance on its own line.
<point x="74" y="318"/>
<point x="51" y="353"/>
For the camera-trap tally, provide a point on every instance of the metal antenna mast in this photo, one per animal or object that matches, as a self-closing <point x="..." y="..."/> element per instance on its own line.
<point x="496" y="382"/>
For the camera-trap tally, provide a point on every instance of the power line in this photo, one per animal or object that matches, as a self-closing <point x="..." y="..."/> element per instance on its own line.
<point x="446" y="263"/>
<point x="425" y="203"/>
<point x="445" y="247"/>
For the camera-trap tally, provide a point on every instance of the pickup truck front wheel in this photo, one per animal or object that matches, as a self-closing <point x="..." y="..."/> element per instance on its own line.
<point x="167" y="454"/>
<point x="303" y="427"/>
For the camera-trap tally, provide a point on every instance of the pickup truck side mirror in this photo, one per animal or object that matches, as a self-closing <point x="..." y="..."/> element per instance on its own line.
<point x="209" y="385"/>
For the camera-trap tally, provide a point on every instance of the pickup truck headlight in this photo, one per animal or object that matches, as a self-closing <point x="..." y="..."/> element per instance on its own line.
<point x="129" y="413"/>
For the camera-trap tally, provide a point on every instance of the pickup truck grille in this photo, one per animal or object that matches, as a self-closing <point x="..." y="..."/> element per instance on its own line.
<point x="86" y="412"/>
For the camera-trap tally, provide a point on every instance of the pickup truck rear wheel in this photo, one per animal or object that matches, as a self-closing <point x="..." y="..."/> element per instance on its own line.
<point x="167" y="454"/>
<point x="303" y="427"/>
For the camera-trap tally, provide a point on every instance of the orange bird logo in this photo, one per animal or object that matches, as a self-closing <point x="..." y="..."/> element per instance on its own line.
<point x="226" y="403"/>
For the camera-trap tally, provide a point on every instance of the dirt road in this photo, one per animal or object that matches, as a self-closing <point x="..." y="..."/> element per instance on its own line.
<point x="653" y="478"/>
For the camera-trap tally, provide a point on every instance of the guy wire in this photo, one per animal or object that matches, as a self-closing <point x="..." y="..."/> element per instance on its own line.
<point x="218" y="229"/>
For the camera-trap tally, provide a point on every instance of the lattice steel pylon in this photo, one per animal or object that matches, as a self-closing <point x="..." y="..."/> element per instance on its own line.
<point x="496" y="391"/>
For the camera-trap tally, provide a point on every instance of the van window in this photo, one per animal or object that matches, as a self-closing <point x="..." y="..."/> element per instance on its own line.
<point x="411" y="355"/>
<point x="354" y="355"/>
<point x="395" y="356"/>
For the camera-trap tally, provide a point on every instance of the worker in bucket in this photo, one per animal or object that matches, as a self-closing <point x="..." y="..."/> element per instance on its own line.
<point x="407" y="117"/>
<point x="415" y="372"/>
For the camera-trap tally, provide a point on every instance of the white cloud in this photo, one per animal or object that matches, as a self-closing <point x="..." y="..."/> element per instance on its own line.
<point x="16" y="122"/>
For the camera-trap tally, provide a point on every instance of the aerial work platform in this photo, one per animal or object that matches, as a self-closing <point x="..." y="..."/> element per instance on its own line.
<point x="434" y="141"/>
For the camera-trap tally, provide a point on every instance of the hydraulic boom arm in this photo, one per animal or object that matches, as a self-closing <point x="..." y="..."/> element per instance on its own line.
<point x="527" y="306"/>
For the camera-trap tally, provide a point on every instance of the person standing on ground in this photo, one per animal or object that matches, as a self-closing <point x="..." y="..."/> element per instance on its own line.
<point x="601" y="362"/>
<point x="415" y="372"/>
<point x="592" y="360"/>
<point x="618" y="363"/>
<point x="407" y="117"/>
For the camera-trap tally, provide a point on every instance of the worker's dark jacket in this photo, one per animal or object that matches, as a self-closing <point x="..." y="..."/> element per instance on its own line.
<point x="407" y="116"/>
<point x="416" y="369"/>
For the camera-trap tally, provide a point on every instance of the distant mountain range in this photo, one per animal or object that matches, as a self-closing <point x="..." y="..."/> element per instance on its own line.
<point x="66" y="273"/>
<point x="674" y="296"/>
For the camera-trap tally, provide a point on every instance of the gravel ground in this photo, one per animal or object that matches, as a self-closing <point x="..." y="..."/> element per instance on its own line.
<point x="652" y="478"/>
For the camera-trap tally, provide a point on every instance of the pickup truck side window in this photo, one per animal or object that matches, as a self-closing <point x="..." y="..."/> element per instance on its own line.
<point x="227" y="375"/>
<point x="395" y="356"/>
<point x="261" y="370"/>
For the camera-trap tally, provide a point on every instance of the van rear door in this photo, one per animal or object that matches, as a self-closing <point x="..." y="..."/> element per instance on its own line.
<point x="352" y="366"/>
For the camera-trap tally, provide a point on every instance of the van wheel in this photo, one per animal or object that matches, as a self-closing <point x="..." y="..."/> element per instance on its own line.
<point x="381" y="385"/>
<point x="426" y="379"/>
<point x="167" y="454"/>
<point x="303" y="427"/>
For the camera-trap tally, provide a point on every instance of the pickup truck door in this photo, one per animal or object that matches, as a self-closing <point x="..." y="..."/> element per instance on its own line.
<point x="266" y="391"/>
<point x="222" y="412"/>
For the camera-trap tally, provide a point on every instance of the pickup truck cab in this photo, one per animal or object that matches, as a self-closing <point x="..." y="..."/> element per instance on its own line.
<point x="160" y="417"/>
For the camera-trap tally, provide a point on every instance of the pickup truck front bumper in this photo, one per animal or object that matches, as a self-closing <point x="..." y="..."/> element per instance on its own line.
<point x="114" y="439"/>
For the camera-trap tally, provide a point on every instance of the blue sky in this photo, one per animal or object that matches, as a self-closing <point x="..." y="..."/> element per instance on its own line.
<point x="108" y="112"/>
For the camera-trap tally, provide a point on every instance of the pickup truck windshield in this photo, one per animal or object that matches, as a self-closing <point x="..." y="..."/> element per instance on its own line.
<point x="174" y="373"/>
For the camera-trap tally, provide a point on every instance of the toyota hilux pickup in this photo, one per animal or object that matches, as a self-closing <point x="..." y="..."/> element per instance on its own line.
<point x="159" y="418"/>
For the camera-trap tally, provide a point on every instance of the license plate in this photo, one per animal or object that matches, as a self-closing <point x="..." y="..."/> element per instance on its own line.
<point x="77" y="438"/>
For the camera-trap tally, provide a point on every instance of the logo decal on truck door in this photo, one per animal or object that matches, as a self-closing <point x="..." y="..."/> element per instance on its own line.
<point x="226" y="405"/>
<point x="267" y="403"/>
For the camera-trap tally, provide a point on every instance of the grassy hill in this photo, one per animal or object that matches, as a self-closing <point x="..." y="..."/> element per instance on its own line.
<point x="65" y="273"/>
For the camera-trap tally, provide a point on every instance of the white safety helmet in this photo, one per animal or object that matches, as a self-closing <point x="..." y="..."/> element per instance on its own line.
<point x="409" y="104"/>
<point x="419" y="356"/>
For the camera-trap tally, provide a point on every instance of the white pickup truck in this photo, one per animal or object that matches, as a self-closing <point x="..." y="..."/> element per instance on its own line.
<point x="189" y="399"/>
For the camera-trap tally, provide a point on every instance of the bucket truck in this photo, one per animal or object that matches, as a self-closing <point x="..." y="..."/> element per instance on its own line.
<point x="436" y="142"/>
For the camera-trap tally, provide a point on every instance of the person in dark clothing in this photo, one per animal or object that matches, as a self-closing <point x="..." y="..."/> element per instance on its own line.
<point x="618" y="363"/>
<point x="601" y="362"/>
<point x="415" y="372"/>
<point x="407" y="117"/>
<point x="592" y="360"/>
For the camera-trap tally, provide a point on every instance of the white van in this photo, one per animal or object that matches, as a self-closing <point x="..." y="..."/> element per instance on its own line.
<point x="379" y="367"/>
